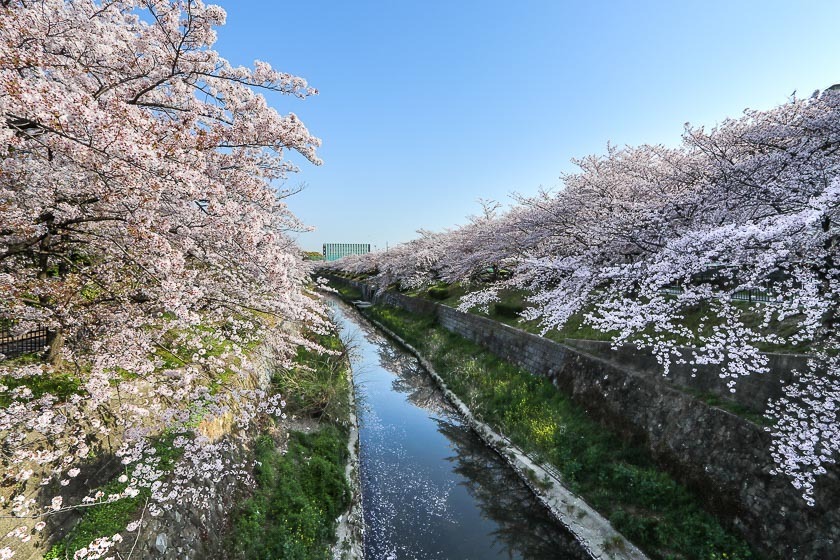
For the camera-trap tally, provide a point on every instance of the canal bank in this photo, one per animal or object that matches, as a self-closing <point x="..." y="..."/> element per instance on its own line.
<point x="301" y="494"/>
<point x="594" y="533"/>
<point x="431" y="487"/>
<point x="616" y="476"/>
<point x="350" y="532"/>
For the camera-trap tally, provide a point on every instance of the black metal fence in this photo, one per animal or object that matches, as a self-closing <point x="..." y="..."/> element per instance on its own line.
<point x="753" y="295"/>
<point x="33" y="341"/>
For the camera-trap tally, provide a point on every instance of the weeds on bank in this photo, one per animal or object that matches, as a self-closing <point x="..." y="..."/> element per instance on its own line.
<point x="297" y="498"/>
<point x="300" y="491"/>
<point x="616" y="478"/>
<point x="318" y="387"/>
<point x="349" y="293"/>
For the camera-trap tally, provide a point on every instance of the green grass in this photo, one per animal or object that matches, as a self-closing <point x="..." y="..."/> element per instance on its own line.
<point x="60" y="385"/>
<point x="446" y="294"/>
<point x="440" y="292"/>
<point x="99" y="520"/>
<point x="298" y="496"/>
<point x="349" y="293"/>
<point x="212" y="339"/>
<point x="619" y="479"/>
<point x="318" y="387"/>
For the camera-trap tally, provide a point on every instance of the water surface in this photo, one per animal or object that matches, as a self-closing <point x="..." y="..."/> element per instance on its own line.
<point x="430" y="487"/>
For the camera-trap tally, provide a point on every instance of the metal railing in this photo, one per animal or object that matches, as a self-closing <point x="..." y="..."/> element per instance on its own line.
<point x="754" y="295"/>
<point x="751" y="295"/>
<point x="33" y="341"/>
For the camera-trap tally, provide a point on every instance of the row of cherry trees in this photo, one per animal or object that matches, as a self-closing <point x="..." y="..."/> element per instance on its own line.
<point x="138" y="223"/>
<point x="640" y="236"/>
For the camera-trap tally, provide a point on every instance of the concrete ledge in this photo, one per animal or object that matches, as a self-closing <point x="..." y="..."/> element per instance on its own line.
<point x="350" y="532"/>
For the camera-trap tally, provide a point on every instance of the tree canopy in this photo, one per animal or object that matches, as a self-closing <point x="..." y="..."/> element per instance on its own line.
<point x="640" y="236"/>
<point x="140" y="225"/>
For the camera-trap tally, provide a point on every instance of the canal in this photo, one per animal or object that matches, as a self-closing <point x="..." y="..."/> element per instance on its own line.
<point x="430" y="487"/>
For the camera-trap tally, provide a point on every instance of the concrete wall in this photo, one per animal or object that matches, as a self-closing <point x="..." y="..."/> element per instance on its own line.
<point x="751" y="392"/>
<point x="723" y="457"/>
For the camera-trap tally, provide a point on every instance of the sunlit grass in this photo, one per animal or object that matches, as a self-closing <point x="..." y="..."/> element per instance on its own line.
<point x="298" y="496"/>
<point x="299" y="493"/>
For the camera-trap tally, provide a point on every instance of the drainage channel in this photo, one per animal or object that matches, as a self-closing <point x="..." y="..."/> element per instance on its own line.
<point x="430" y="487"/>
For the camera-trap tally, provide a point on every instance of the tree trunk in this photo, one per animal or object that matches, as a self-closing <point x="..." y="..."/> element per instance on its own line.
<point x="830" y="318"/>
<point x="55" y="340"/>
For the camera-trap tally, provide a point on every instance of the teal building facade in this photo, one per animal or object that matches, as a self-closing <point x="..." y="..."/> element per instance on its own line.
<point x="334" y="251"/>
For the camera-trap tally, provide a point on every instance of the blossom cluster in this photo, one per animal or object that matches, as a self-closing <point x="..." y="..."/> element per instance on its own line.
<point x="140" y="224"/>
<point x="641" y="236"/>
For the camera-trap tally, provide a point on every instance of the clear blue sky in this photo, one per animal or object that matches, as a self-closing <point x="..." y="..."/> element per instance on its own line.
<point x="425" y="107"/>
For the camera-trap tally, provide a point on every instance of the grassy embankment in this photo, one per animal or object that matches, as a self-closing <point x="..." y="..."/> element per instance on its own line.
<point x="300" y="485"/>
<point x="109" y="518"/>
<point x="698" y="319"/>
<point x="618" y="479"/>
<point x="300" y="488"/>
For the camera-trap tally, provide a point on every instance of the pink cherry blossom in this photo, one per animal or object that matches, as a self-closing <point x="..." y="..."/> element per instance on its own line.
<point x="641" y="235"/>
<point x="143" y="223"/>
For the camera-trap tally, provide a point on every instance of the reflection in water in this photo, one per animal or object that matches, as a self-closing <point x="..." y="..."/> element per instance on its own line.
<point x="522" y="527"/>
<point x="430" y="488"/>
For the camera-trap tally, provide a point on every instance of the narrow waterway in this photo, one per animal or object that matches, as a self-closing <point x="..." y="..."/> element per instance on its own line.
<point x="430" y="487"/>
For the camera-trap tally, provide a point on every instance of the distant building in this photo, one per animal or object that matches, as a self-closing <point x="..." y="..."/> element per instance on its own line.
<point x="334" y="251"/>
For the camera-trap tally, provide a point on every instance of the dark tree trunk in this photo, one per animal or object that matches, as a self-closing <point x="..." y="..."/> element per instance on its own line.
<point x="55" y="340"/>
<point x="830" y="319"/>
<point x="55" y="337"/>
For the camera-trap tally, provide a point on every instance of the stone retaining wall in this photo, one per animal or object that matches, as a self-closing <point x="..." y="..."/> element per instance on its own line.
<point x="186" y="531"/>
<point x="751" y="392"/>
<point x="723" y="457"/>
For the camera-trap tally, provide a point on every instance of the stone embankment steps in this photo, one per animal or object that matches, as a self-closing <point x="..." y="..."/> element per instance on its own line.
<point x="595" y="533"/>
<point x="724" y="457"/>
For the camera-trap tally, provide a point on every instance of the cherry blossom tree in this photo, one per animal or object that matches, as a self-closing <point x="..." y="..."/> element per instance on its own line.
<point x="751" y="204"/>
<point x="408" y="266"/>
<point x="641" y="236"/>
<point x="487" y="245"/>
<point x="139" y="225"/>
